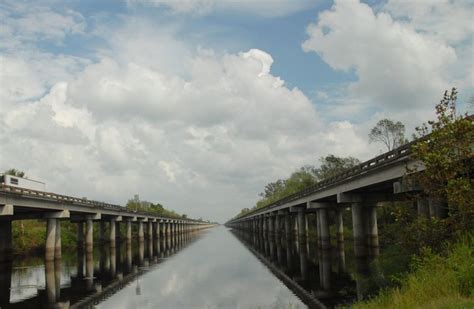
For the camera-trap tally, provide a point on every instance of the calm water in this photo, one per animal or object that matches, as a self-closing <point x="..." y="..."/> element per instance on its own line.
<point x="217" y="268"/>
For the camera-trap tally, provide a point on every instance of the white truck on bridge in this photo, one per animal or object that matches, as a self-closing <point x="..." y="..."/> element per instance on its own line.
<point x="24" y="183"/>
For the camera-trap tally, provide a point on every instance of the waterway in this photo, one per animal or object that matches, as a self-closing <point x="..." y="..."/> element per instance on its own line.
<point x="215" y="268"/>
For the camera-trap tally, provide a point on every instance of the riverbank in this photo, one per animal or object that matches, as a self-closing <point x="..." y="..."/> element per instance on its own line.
<point x="436" y="281"/>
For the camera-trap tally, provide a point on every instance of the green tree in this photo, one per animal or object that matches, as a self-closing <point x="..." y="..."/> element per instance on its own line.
<point x="15" y="172"/>
<point x="332" y="165"/>
<point x="272" y="188"/>
<point x="389" y="133"/>
<point x="446" y="149"/>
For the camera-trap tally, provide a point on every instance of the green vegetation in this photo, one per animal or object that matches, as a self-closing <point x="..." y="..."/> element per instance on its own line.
<point x="442" y="273"/>
<point x="306" y="176"/>
<point x="436" y="281"/>
<point x="135" y="204"/>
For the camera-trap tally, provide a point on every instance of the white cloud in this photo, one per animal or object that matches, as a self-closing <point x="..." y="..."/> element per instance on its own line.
<point x="125" y="125"/>
<point x="22" y="22"/>
<point x="399" y="63"/>
<point x="447" y="20"/>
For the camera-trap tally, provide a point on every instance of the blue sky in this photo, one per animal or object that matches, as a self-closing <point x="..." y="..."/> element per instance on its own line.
<point x="180" y="101"/>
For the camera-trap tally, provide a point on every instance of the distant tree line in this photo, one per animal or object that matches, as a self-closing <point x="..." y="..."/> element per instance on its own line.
<point x="135" y="204"/>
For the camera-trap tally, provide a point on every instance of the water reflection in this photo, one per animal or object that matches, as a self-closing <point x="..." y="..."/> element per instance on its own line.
<point x="81" y="279"/>
<point x="222" y="270"/>
<point x="215" y="272"/>
<point x="319" y="276"/>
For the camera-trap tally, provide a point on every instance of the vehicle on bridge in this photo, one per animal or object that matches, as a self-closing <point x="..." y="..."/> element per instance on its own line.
<point x="19" y="182"/>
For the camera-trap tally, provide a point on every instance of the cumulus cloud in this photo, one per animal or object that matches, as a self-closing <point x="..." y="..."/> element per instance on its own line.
<point x="121" y="125"/>
<point x="404" y="55"/>
<point x="199" y="130"/>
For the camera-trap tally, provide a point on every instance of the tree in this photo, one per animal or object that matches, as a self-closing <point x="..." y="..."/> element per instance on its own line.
<point x="15" y="172"/>
<point x="272" y="188"/>
<point x="332" y="165"/>
<point x="134" y="203"/>
<point x="391" y="134"/>
<point x="446" y="149"/>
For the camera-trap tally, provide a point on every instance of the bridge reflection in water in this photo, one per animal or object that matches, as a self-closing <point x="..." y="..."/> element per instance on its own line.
<point x="97" y="274"/>
<point x="318" y="276"/>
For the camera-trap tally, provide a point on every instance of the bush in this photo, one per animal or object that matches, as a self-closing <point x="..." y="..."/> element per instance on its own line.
<point x="435" y="281"/>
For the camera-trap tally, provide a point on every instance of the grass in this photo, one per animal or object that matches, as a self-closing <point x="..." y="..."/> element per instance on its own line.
<point x="436" y="281"/>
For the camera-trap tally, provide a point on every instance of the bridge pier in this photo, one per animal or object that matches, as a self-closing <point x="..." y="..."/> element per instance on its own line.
<point x="80" y="234"/>
<point x="150" y="230"/>
<point x="339" y="225"/>
<point x="423" y="207"/>
<point x="287" y="218"/>
<point x="301" y="217"/>
<point x="112" y="236"/>
<point x="89" y="235"/>
<point x="141" y="236"/>
<point x="373" y="233"/>
<point x="156" y="230"/>
<point x="128" y="232"/>
<point x="50" y="245"/>
<point x="6" y="241"/>
<point x="277" y="224"/>
<point x="271" y="224"/>
<point x="359" y="227"/>
<point x="324" y="236"/>
<point x="102" y="232"/>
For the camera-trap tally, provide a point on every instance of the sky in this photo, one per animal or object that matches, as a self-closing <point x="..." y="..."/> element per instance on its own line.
<point x="199" y="104"/>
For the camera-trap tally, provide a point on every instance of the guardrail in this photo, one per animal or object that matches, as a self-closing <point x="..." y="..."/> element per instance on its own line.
<point x="397" y="154"/>
<point x="82" y="202"/>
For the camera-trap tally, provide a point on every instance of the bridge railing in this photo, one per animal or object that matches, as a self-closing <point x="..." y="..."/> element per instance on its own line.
<point x="80" y="201"/>
<point x="396" y="154"/>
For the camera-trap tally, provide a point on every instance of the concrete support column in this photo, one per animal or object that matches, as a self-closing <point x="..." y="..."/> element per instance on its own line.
<point x="150" y="230"/>
<point x="288" y="224"/>
<point x="112" y="235"/>
<point x="271" y="224"/>
<point x="339" y="225"/>
<point x="57" y="240"/>
<point x="265" y="224"/>
<point x="50" y="243"/>
<point x="80" y="234"/>
<point x="372" y="232"/>
<point x="156" y="230"/>
<point x="294" y="225"/>
<point x="128" y="234"/>
<point x="301" y="222"/>
<point x="277" y="224"/>
<point x="102" y="231"/>
<point x="324" y="228"/>
<point x="89" y="235"/>
<point x="117" y="231"/>
<point x="141" y="236"/>
<point x="423" y="207"/>
<point x="359" y="227"/>
<point x="161" y="229"/>
<point x="6" y="241"/>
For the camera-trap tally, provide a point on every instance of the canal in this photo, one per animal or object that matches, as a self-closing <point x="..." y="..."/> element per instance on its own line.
<point x="214" y="268"/>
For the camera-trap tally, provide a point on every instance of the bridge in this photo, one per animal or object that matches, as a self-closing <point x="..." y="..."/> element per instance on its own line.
<point x="22" y="204"/>
<point x="362" y="188"/>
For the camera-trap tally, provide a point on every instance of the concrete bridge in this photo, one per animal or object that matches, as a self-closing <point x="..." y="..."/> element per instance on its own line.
<point x="20" y="204"/>
<point x="362" y="189"/>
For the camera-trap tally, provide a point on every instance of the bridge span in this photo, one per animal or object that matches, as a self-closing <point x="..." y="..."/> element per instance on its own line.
<point x="21" y="204"/>
<point x="362" y="189"/>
